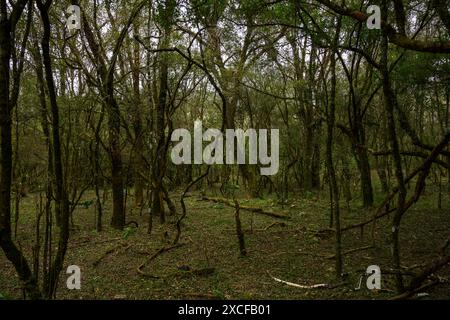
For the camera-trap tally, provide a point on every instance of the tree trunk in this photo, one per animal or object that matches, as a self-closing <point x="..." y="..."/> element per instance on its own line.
<point x="159" y="167"/>
<point x="137" y="125"/>
<point x="62" y="204"/>
<point x="115" y="153"/>
<point x="10" y="249"/>
<point x="366" y="178"/>
<point x="389" y="101"/>
<point x="334" y="190"/>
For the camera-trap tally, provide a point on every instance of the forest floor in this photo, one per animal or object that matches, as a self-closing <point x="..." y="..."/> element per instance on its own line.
<point x="292" y="251"/>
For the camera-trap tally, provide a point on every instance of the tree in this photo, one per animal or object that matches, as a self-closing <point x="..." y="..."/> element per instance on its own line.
<point x="8" y="24"/>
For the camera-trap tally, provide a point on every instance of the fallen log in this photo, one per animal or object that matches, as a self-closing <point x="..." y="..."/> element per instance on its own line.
<point x="246" y="208"/>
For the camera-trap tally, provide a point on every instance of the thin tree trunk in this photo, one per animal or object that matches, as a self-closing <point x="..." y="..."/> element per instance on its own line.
<point x="62" y="211"/>
<point x="11" y="251"/>
<point x="331" y="116"/>
<point x="388" y="97"/>
<point x="137" y="125"/>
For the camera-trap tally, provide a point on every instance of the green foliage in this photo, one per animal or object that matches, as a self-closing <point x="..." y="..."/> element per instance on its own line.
<point x="87" y="204"/>
<point x="218" y="206"/>
<point x="127" y="232"/>
<point x="422" y="68"/>
<point x="218" y="293"/>
<point x="309" y="194"/>
<point x="209" y="10"/>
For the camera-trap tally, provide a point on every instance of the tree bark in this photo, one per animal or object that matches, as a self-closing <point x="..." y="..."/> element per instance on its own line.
<point x="389" y="101"/>
<point x="7" y="27"/>
<point x="62" y="211"/>
<point x="334" y="190"/>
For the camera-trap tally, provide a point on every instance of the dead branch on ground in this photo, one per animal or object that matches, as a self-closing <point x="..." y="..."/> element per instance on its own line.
<point x="246" y="208"/>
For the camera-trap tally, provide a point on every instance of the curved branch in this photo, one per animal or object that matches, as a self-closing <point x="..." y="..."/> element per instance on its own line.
<point x="399" y="39"/>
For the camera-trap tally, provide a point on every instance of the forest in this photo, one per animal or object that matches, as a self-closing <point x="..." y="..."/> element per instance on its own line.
<point x="224" y="149"/>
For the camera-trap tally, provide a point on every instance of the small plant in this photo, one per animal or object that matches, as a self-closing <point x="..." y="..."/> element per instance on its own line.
<point x="309" y="194"/>
<point x="218" y="206"/>
<point x="218" y="293"/>
<point x="87" y="204"/>
<point x="127" y="232"/>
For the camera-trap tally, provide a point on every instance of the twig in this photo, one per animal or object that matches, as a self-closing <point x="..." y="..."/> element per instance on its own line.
<point x="296" y="285"/>
<point x="157" y="253"/>
<point x="96" y="242"/>
<point x="203" y="295"/>
<point x="109" y="251"/>
<point x="350" y="251"/>
<point x="246" y="208"/>
<point x="274" y="224"/>
<point x="408" y="294"/>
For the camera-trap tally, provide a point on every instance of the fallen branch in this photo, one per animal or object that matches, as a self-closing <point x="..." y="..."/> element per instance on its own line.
<point x="376" y="217"/>
<point x="109" y="251"/>
<point x="301" y="286"/>
<point x="89" y="241"/>
<point x="273" y="224"/>
<point x="409" y="293"/>
<point x="151" y="258"/>
<point x="181" y="274"/>
<point x="350" y="251"/>
<point x="192" y="272"/>
<point x="429" y="269"/>
<point x="203" y="296"/>
<point x="246" y="208"/>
